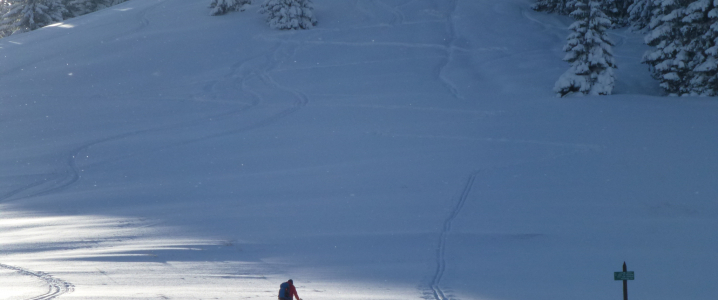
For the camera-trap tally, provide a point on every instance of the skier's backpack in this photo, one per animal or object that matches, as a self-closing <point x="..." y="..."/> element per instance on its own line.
<point x="284" y="291"/>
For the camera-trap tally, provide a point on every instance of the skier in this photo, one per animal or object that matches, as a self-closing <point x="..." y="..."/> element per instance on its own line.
<point x="286" y="290"/>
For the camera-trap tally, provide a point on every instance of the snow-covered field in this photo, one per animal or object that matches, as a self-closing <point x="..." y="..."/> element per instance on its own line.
<point x="402" y="149"/>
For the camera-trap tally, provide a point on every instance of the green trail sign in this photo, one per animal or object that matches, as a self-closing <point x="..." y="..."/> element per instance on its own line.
<point x="623" y="276"/>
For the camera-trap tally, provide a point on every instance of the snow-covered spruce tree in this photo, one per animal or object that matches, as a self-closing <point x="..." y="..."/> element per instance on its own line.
<point x="26" y="15"/>
<point x="4" y="6"/>
<point x="102" y="4"/>
<point x="589" y="52"/>
<point x="77" y="8"/>
<point x="640" y="13"/>
<point x="552" y="6"/>
<point x="673" y="36"/>
<point x="220" y="7"/>
<point x="709" y="69"/>
<point x="289" y="14"/>
<point x="699" y="27"/>
<point x="617" y="11"/>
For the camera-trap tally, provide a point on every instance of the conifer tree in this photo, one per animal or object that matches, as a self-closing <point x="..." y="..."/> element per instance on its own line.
<point x="289" y="14"/>
<point x="640" y="13"/>
<point x="589" y="52"/>
<point x="699" y="26"/>
<point x="76" y="8"/>
<point x="617" y="11"/>
<point x="220" y="7"/>
<point x="561" y="7"/>
<point x="26" y="15"/>
<point x="669" y="61"/>
<point x="708" y="70"/>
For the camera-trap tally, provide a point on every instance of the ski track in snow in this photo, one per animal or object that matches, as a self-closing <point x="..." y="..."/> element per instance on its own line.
<point x="450" y="49"/>
<point x="240" y="73"/>
<point x="57" y="181"/>
<point x="48" y="177"/>
<point x="558" y="32"/>
<point x="142" y="20"/>
<point x="273" y="59"/>
<point x="56" y="287"/>
<point x="398" y="16"/>
<point x="441" y="249"/>
<point x="435" y="283"/>
<point x="60" y="180"/>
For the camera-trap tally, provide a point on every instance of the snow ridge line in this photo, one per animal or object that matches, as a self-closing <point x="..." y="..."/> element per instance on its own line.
<point x="438" y="293"/>
<point x="56" y="287"/>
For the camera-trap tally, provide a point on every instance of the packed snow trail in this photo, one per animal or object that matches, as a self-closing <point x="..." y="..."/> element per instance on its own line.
<point x="446" y="229"/>
<point x="56" y="287"/>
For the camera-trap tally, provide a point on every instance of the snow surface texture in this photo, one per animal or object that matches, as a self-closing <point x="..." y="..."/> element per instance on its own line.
<point x="399" y="150"/>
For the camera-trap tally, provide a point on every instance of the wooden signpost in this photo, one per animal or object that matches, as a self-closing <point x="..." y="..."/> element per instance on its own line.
<point x="625" y="276"/>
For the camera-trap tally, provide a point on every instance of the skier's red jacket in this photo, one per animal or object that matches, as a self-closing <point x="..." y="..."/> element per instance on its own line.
<point x="292" y="291"/>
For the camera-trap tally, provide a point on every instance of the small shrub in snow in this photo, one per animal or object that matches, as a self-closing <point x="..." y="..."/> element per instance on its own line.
<point x="220" y="7"/>
<point x="589" y="52"/>
<point x="289" y="14"/>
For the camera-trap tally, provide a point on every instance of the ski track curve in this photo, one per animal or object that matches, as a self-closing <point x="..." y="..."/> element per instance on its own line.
<point x="398" y="17"/>
<point x="240" y="72"/>
<point x="450" y="48"/>
<point x="57" y="181"/>
<point x="56" y="286"/>
<point x="272" y="62"/>
<point x="435" y="284"/>
<point x="142" y="22"/>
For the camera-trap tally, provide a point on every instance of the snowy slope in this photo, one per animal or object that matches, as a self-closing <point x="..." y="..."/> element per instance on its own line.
<point x="401" y="149"/>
